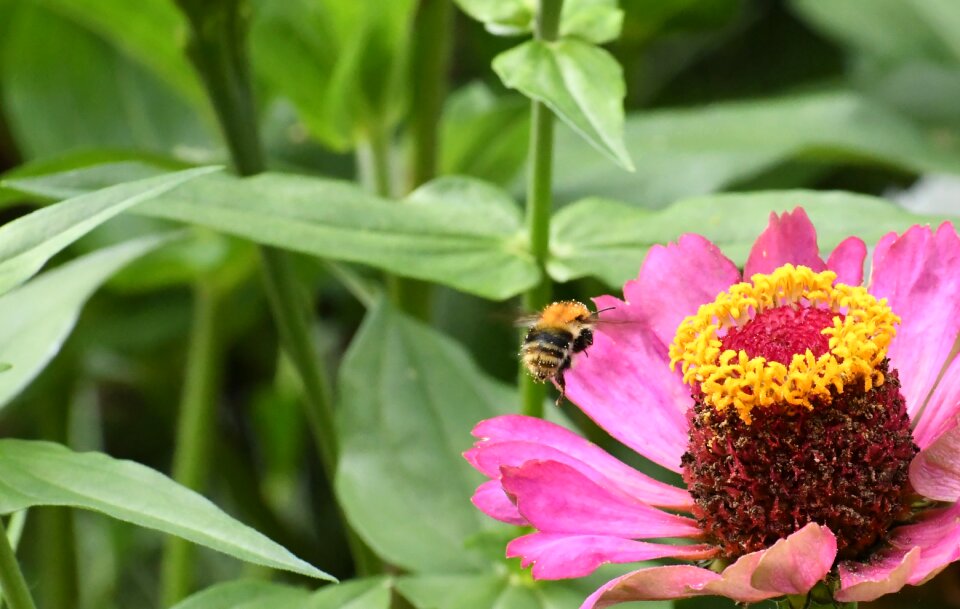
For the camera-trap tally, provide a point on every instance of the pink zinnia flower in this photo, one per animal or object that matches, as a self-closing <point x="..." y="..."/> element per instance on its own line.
<point x="814" y="423"/>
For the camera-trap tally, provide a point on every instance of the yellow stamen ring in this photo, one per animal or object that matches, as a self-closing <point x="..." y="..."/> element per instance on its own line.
<point x="858" y="343"/>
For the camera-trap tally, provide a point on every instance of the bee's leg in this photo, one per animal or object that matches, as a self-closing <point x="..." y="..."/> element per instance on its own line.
<point x="562" y="384"/>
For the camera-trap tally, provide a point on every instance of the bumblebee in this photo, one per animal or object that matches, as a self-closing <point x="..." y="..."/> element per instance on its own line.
<point x="559" y="331"/>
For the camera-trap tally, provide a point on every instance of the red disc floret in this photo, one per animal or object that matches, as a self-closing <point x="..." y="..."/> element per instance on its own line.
<point x="843" y="464"/>
<point x="778" y="334"/>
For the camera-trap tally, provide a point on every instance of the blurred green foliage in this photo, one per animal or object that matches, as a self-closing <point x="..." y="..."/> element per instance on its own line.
<point x="730" y="109"/>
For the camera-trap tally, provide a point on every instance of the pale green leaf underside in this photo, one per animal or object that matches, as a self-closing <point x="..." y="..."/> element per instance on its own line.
<point x="596" y="21"/>
<point x="45" y="474"/>
<point x="37" y="317"/>
<point x="609" y="240"/>
<point x="367" y="593"/>
<point x="688" y="152"/>
<point x="28" y="242"/>
<point x="583" y="84"/>
<point x="456" y="231"/>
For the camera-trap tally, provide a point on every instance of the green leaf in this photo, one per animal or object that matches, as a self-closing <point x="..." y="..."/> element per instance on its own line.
<point x="502" y="17"/>
<point x="483" y="135"/>
<point x="596" y="21"/>
<point x="37" y="317"/>
<point x="28" y="242"/>
<point x="511" y="591"/>
<point x="703" y="150"/>
<point x="147" y="31"/>
<point x="890" y="29"/>
<point x="409" y="397"/>
<point x="609" y="240"/>
<point x="43" y="473"/>
<point x="246" y="594"/>
<point x="581" y="83"/>
<point x="341" y="64"/>
<point x="367" y="593"/>
<point x="124" y="104"/>
<point x="455" y="231"/>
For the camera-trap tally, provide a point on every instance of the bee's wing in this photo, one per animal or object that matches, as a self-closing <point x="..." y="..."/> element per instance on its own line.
<point x="525" y="321"/>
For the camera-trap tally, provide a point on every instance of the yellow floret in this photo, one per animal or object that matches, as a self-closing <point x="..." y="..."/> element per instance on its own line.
<point x="727" y="378"/>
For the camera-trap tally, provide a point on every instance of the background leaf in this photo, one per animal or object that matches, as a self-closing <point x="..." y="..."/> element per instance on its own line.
<point x="37" y="317"/>
<point x="28" y="242"/>
<point x="68" y="93"/>
<point x="609" y="240"/>
<point x="341" y="64"/>
<point x="581" y="83"/>
<point x="409" y="397"/>
<point x="706" y="149"/>
<point x="596" y="21"/>
<point x="454" y="231"/>
<point x="43" y="473"/>
<point x="247" y="594"/>
<point x="483" y="135"/>
<point x="146" y="31"/>
<point x="368" y="593"/>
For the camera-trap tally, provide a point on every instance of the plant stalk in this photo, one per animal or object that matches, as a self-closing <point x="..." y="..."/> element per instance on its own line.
<point x="375" y="170"/>
<point x="17" y="521"/>
<point x="217" y="48"/>
<point x="430" y="61"/>
<point x="14" y="585"/>
<point x="195" y="433"/>
<point x="540" y="201"/>
<point x="55" y="526"/>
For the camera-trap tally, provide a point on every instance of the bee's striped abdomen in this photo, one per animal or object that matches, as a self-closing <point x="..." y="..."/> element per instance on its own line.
<point x="546" y="351"/>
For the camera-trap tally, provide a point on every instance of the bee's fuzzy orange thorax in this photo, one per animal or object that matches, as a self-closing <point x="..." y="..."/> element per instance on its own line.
<point x="563" y="313"/>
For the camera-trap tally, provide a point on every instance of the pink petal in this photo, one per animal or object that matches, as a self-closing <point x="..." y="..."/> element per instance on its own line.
<point x="937" y="536"/>
<point x="789" y="238"/>
<point x="675" y="280"/>
<point x="943" y="407"/>
<point x="624" y="383"/>
<point x="653" y="584"/>
<point x="560" y="556"/>
<point x="847" y="261"/>
<point x="794" y="565"/>
<point x="916" y="553"/>
<point x="556" y="498"/>
<point x="515" y="439"/>
<point x="888" y="574"/>
<point x="917" y="273"/>
<point x="492" y="501"/>
<point x="739" y="581"/>
<point x="935" y="472"/>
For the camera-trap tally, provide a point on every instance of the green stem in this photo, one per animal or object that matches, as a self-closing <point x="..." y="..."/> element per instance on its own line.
<point x="217" y="48"/>
<point x="17" y="521"/>
<point x="290" y="305"/>
<point x="55" y="526"/>
<point x="15" y="588"/>
<point x="430" y="61"/>
<point x="373" y="161"/>
<point x="375" y="170"/>
<point x="540" y="201"/>
<point x="194" y="434"/>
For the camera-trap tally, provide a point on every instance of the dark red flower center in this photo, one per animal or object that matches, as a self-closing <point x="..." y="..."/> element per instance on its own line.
<point x="841" y="463"/>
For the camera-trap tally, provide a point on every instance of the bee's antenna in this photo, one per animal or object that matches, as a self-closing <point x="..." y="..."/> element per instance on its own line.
<point x="606" y="309"/>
